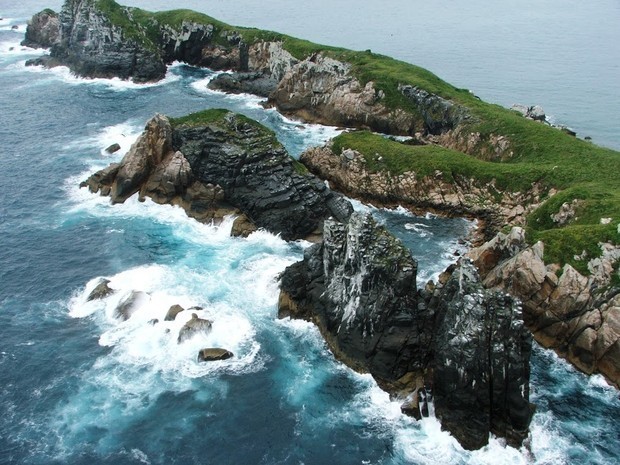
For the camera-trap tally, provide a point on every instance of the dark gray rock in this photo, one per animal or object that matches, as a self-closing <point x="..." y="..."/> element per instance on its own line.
<point x="359" y="285"/>
<point x="101" y="291"/>
<point x="482" y="352"/>
<point x="92" y="46"/>
<point x="194" y="326"/>
<point x="128" y="306"/>
<point x="113" y="148"/>
<point x="256" y="83"/>
<point x="467" y="344"/>
<point x="258" y="176"/>
<point x="214" y="354"/>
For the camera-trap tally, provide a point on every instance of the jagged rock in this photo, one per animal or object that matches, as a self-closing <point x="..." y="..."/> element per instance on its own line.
<point x="567" y="212"/>
<point x="194" y="326"/>
<point x="250" y="83"/>
<point x="359" y="287"/>
<point x="153" y="322"/>
<point x="43" y="30"/>
<point x="145" y="154"/>
<point x="214" y="354"/>
<point x="219" y="168"/>
<point x="258" y="176"/>
<point x="91" y="45"/>
<point x="173" y="311"/>
<point x="270" y="58"/>
<point x="101" y="291"/>
<point x="535" y="112"/>
<point x="323" y="90"/>
<point x="113" y="148"/>
<point x="482" y="352"/>
<point x="128" y="306"/>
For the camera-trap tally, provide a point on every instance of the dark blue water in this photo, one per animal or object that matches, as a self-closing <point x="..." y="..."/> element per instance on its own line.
<point x="77" y="386"/>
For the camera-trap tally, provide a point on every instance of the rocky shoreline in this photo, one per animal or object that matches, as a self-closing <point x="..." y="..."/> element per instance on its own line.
<point x="365" y="303"/>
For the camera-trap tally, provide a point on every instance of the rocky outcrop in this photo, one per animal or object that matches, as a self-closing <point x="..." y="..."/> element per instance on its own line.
<point x="249" y="83"/>
<point x="323" y="90"/>
<point x="578" y="316"/>
<point x="91" y="45"/>
<point x="214" y="354"/>
<point x="101" y="290"/>
<point x="481" y="352"/>
<point x="193" y="327"/>
<point x="43" y="30"/>
<point x="468" y="344"/>
<point x="347" y="172"/>
<point x="227" y="165"/>
<point x="172" y="312"/>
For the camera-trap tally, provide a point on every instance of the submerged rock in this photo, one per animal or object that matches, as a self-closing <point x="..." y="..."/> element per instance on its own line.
<point x="101" y="291"/>
<point x="214" y="354"/>
<point x="130" y="304"/>
<point x="194" y="326"/>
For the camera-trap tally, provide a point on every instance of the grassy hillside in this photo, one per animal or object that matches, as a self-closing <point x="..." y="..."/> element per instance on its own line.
<point x="580" y="170"/>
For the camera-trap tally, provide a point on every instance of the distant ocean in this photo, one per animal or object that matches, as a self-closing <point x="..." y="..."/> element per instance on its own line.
<point x="79" y="387"/>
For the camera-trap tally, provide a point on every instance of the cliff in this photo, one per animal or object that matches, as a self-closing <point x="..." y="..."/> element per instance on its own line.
<point x="215" y="163"/>
<point x="466" y="345"/>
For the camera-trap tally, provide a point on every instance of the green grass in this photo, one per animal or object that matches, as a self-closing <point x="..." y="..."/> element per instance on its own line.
<point x="200" y="118"/>
<point x="592" y="178"/>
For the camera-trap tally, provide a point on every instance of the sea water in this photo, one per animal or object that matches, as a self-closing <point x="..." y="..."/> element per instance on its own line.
<point x="78" y="386"/>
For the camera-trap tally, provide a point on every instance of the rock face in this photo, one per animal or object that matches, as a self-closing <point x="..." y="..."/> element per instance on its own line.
<point x="229" y="165"/>
<point x="323" y="90"/>
<point x="128" y="306"/>
<point x="43" y="30"/>
<point x="347" y="172"/>
<point x="92" y="46"/>
<point x="577" y="316"/>
<point x="467" y="343"/>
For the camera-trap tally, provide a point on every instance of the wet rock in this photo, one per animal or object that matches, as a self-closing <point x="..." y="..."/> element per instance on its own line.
<point x="193" y="327"/>
<point x="242" y="227"/>
<point x="214" y="354"/>
<point x="130" y="304"/>
<point x="173" y="311"/>
<point x="113" y="148"/>
<point x="101" y="291"/>
<point x="154" y="321"/>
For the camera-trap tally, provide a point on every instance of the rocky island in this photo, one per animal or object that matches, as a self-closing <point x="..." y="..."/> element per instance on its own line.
<point x="549" y="205"/>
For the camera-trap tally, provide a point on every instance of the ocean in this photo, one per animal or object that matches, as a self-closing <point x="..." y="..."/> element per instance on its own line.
<point x="79" y="387"/>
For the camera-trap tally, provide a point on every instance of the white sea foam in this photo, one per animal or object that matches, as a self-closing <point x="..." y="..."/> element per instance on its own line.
<point x="14" y="48"/>
<point x="124" y="134"/>
<point x="116" y="84"/>
<point x="247" y="100"/>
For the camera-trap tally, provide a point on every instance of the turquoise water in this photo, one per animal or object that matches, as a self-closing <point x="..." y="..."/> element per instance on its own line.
<point x="77" y="386"/>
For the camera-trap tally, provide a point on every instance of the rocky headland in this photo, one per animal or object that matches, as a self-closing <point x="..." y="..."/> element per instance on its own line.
<point x="218" y="163"/>
<point x="459" y="156"/>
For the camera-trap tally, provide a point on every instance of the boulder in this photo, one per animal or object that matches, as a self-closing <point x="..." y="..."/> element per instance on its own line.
<point x="173" y="311"/>
<point x="250" y="83"/>
<point x="193" y="327"/>
<point x="242" y="227"/>
<point x="214" y="354"/>
<point x="113" y="148"/>
<point x="130" y="304"/>
<point x="101" y="291"/>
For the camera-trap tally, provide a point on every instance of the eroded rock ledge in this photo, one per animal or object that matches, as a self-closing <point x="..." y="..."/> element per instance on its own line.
<point x="466" y="345"/>
<point x="216" y="163"/>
